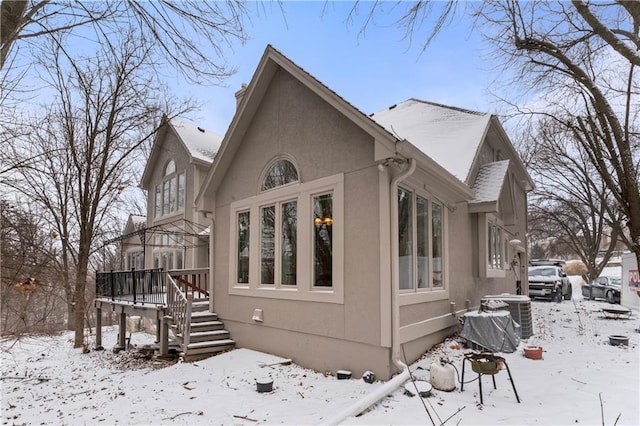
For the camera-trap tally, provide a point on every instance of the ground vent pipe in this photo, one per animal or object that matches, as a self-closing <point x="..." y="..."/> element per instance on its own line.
<point x="367" y="401"/>
<point x="363" y="403"/>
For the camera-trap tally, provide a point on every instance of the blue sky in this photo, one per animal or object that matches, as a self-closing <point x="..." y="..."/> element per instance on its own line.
<point x="372" y="70"/>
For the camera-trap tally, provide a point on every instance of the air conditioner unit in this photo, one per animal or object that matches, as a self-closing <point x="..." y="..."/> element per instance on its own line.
<point x="519" y="308"/>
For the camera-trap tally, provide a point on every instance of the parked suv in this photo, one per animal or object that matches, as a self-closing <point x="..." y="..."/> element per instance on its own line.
<point x="548" y="280"/>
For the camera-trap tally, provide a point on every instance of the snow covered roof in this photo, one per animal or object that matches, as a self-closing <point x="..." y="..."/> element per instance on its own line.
<point x="138" y="221"/>
<point x="489" y="181"/>
<point x="450" y="136"/>
<point x="201" y="144"/>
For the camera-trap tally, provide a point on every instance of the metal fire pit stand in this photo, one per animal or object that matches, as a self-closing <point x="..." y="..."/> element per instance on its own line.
<point x="487" y="364"/>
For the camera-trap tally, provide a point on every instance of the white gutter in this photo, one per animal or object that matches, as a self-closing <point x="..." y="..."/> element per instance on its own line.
<point x="404" y="375"/>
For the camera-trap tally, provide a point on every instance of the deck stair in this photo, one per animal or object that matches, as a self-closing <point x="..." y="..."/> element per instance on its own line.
<point x="207" y="334"/>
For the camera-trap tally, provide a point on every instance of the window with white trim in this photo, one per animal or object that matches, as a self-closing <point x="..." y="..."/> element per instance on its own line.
<point x="278" y="243"/>
<point x="135" y="259"/>
<point x="297" y="235"/>
<point x="170" y="193"/>
<point x="281" y="172"/>
<point x="168" y="251"/>
<point x="420" y="242"/>
<point x="495" y="247"/>
<point x="322" y="240"/>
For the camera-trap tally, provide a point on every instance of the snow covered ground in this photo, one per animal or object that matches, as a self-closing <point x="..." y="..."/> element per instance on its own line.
<point x="581" y="379"/>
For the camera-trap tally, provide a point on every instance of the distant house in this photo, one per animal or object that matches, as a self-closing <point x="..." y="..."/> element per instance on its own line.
<point x="172" y="235"/>
<point x="347" y="241"/>
<point x="132" y="242"/>
<point x="165" y="254"/>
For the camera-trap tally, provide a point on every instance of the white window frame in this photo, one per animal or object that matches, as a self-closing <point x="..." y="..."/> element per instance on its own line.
<point x="304" y="289"/>
<point x="173" y="246"/>
<point x="135" y="258"/>
<point x="430" y="293"/>
<point x="486" y="222"/>
<point x="169" y="188"/>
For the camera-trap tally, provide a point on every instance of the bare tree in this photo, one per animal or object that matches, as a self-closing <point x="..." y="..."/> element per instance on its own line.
<point x="572" y="208"/>
<point x="79" y="156"/>
<point x="190" y="35"/>
<point x="30" y="301"/>
<point x="578" y="60"/>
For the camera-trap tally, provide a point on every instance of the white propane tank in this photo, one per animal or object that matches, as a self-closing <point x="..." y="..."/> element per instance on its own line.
<point x="443" y="376"/>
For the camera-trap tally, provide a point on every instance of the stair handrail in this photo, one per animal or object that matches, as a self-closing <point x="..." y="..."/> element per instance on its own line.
<point x="179" y="305"/>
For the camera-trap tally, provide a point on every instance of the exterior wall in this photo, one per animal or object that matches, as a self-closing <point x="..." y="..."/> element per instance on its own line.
<point x="352" y="332"/>
<point x="425" y="323"/>
<point x="322" y="335"/>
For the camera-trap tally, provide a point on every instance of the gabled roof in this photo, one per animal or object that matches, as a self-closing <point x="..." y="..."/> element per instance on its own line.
<point x="450" y="136"/>
<point x="135" y="223"/>
<point x="489" y="181"/>
<point x="201" y="145"/>
<point x="493" y="190"/>
<point x="271" y="61"/>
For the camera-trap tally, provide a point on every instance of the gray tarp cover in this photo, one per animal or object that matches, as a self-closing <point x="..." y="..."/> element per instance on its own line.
<point x="496" y="331"/>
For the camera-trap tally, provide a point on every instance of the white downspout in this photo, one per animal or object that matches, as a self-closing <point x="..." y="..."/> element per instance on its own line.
<point x="397" y="381"/>
<point x="212" y="242"/>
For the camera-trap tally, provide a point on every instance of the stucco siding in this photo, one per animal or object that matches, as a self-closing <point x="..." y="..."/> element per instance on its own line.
<point x="291" y="120"/>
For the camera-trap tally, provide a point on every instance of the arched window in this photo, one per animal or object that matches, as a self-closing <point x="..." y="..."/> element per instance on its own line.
<point x="282" y="172"/>
<point x="170" y="168"/>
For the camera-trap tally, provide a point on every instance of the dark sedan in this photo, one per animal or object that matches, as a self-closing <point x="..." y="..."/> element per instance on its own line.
<point x="603" y="288"/>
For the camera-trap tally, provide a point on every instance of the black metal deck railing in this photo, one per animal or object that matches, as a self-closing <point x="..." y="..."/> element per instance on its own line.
<point x="135" y="286"/>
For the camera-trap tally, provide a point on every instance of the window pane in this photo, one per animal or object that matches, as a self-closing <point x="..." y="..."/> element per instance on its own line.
<point x="281" y="173"/>
<point x="165" y="198"/>
<point x="268" y="230"/>
<point x="181" y="185"/>
<point x="405" y="238"/>
<point x="437" y="248"/>
<point x="243" y="248"/>
<point x="497" y="263"/>
<point x="173" y="192"/>
<point x="322" y="240"/>
<point x="158" y="201"/>
<point x="179" y="260"/>
<point x="170" y="168"/>
<point x="289" y="243"/>
<point x="422" y="231"/>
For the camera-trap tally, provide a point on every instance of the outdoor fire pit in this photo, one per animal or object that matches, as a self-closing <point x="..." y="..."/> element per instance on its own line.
<point x="618" y="340"/>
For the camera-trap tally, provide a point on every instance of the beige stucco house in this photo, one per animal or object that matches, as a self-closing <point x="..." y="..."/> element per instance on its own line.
<point x="346" y="241"/>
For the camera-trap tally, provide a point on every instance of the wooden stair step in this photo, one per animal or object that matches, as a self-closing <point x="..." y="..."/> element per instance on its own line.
<point x="199" y="348"/>
<point x="203" y="316"/>
<point x="203" y="326"/>
<point x="208" y="336"/>
<point x="199" y="305"/>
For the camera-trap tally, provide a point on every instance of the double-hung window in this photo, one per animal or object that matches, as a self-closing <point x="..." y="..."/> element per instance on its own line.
<point x="420" y="242"/>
